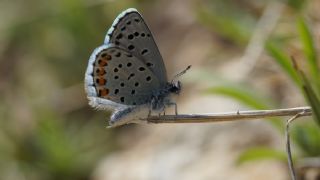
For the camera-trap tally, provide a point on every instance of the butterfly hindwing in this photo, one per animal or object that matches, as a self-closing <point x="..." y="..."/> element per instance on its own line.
<point x="130" y="32"/>
<point x="122" y="78"/>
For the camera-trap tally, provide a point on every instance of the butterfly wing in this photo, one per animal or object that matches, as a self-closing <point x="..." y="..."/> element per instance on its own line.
<point x="116" y="76"/>
<point x="130" y="32"/>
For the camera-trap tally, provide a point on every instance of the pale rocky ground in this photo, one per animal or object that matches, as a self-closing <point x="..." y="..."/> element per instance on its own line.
<point x="196" y="151"/>
<point x="193" y="151"/>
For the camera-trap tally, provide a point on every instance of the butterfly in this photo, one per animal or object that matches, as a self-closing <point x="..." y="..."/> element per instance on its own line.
<point x="127" y="74"/>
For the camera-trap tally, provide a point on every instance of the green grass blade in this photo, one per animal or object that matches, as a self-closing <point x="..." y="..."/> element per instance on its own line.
<point x="260" y="153"/>
<point x="308" y="47"/>
<point x="248" y="98"/>
<point x="284" y="61"/>
<point x="296" y="4"/>
<point x="312" y="98"/>
<point x="230" y="22"/>
<point x="242" y="95"/>
<point x="307" y="137"/>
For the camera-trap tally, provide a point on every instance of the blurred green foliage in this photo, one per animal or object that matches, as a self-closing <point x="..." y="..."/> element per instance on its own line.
<point x="283" y="60"/>
<point x="248" y="97"/>
<point x="260" y="153"/>
<point x="307" y="135"/>
<point x="232" y="20"/>
<point x="47" y="129"/>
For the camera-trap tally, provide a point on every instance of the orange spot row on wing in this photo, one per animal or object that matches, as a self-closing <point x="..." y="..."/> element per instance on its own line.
<point x="106" y="56"/>
<point x="103" y="92"/>
<point x="100" y="71"/>
<point x="102" y="62"/>
<point x="101" y="81"/>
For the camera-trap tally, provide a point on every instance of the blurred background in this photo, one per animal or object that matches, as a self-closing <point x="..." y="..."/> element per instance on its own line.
<point x="240" y="56"/>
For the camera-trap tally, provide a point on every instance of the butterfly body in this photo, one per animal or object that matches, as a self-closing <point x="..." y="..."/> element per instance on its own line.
<point x="127" y="74"/>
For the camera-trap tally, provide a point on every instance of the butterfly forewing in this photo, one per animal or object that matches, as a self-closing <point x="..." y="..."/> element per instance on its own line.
<point x="122" y="78"/>
<point x="131" y="33"/>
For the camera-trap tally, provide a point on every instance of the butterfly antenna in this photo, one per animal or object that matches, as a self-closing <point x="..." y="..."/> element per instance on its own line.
<point x="181" y="73"/>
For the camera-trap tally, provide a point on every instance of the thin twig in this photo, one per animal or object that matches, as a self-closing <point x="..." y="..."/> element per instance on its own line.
<point x="288" y="148"/>
<point x="231" y="116"/>
<point x="262" y="31"/>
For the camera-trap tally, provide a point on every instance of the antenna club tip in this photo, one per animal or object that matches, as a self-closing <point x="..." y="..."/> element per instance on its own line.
<point x="181" y="73"/>
<point x="188" y="67"/>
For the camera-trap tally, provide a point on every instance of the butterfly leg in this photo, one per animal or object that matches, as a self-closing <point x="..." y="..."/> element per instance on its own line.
<point x="150" y="108"/>
<point x="163" y="110"/>
<point x="149" y="112"/>
<point x="175" y="107"/>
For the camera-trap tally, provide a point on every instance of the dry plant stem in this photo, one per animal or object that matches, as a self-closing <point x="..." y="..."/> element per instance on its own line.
<point x="288" y="148"/>
<point x="261" y="32"/>
<point x="231" y="116"/>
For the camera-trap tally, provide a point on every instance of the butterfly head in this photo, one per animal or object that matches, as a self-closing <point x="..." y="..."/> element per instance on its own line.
<point x="175" y="85"/>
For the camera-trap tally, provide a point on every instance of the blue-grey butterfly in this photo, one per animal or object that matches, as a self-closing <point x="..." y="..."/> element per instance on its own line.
<point x="127" y="74"/>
